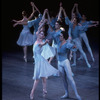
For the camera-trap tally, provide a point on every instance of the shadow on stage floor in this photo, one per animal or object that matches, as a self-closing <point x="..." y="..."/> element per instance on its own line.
<point x="17" y="79"/>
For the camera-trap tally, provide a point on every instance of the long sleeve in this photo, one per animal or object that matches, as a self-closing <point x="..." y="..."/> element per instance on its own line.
<point x="67" y="21"/>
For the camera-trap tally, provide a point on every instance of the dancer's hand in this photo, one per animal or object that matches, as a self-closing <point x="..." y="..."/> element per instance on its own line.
<point x="60" y="4"/>
<point x="13" y="20"/>
<point x="32" y="3"/>
<point x="97" y="22"/>
<point x="61" y="8"/>
<point x="47" y="41"/>
<point x="45" y="20"/>
<point x="74" y="46"/>
<point x="46" y="10"/>
<point x="42" y="44"/>
<point x="95" y="25"/>
<point x="15" y="24"/>
<point x="75" y="4"/>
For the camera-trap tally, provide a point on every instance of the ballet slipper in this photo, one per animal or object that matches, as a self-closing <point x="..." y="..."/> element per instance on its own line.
<point x="65" y="96"/>
<point x="78" y="97"/>
<point x="44" y="93"/>
<point x="25" y="59"/>
<point x="31" y="96"/>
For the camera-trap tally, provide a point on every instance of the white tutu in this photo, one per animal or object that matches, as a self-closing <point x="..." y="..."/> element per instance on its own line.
<point x="26" y="37"/>
<point x="42" y="67"/>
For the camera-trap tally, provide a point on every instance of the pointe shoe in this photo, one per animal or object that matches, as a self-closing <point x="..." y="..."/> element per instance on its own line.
<point x="73" y="65"/>
<point x="79" y="98"/>
<point x="80" y="58"/>
<point x="31" y="97"/>
<point x="64" y="96"/>
<point x="89" y="66"/>
<point x="25" y="59"/>
<point x="44" y="93"/>
<point x="93" y="59"/>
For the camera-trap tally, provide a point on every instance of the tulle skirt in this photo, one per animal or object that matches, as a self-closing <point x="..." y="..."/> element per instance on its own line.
<point x="25" y="38"/>
<point x="42" y="68"/>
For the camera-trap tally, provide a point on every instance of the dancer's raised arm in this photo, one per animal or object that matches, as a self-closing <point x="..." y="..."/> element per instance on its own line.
<point x="41" y="25"/>
<point x="44" y="14"/>
<point x="33" y="10"/>
<point x="37" y="9"/>
<point x="73" y="9"/>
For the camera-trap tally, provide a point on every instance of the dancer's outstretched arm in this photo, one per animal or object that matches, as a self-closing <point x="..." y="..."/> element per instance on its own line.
<point x="20" y="23"/>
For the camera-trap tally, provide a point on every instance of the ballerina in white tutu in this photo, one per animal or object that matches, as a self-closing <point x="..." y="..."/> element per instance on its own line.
<point x="42" y="68"/>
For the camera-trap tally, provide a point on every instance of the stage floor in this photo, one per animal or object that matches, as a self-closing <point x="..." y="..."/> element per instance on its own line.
<point x="17" y="79"/>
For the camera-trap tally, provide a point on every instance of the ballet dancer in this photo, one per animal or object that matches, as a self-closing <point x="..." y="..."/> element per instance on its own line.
<point x="74" y="32"/>
<point x="42" y="68"/>
<point x="64" y="64"/>
<point x="35" y="22"/>
<point x="25" y="38"/>
<point x="84" y="37"/>
<point x="47" y="48"/>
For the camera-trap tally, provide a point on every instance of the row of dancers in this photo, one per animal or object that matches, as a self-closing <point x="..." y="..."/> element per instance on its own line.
<point x="57" y="36"/>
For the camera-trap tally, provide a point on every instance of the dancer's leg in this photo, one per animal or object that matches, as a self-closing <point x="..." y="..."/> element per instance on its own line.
<point x="74" y="58"/>
<point x="25" y="53"/>
<point x="70" y="78"/>
<point x="64" y="78"/>
<point x="81" y="57"/>
<point x="44" y="86"/>
<point x="78" y="44"/>
<point x="85" y="39"/>
<point x="33" y="88"/>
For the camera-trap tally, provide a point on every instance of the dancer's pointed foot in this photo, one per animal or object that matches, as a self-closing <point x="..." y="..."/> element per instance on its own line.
<point x="93" y="59"/>
<point x="44" y="93"/>
<point x="65" y="96"/>
<point x="73" y="65"/>
<point x="25" y="59"/>
<point x="78" y="97"/>
<point x="31" y="96"/>
<point x="89" y="66"/>
<point x="80" y="58"/>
